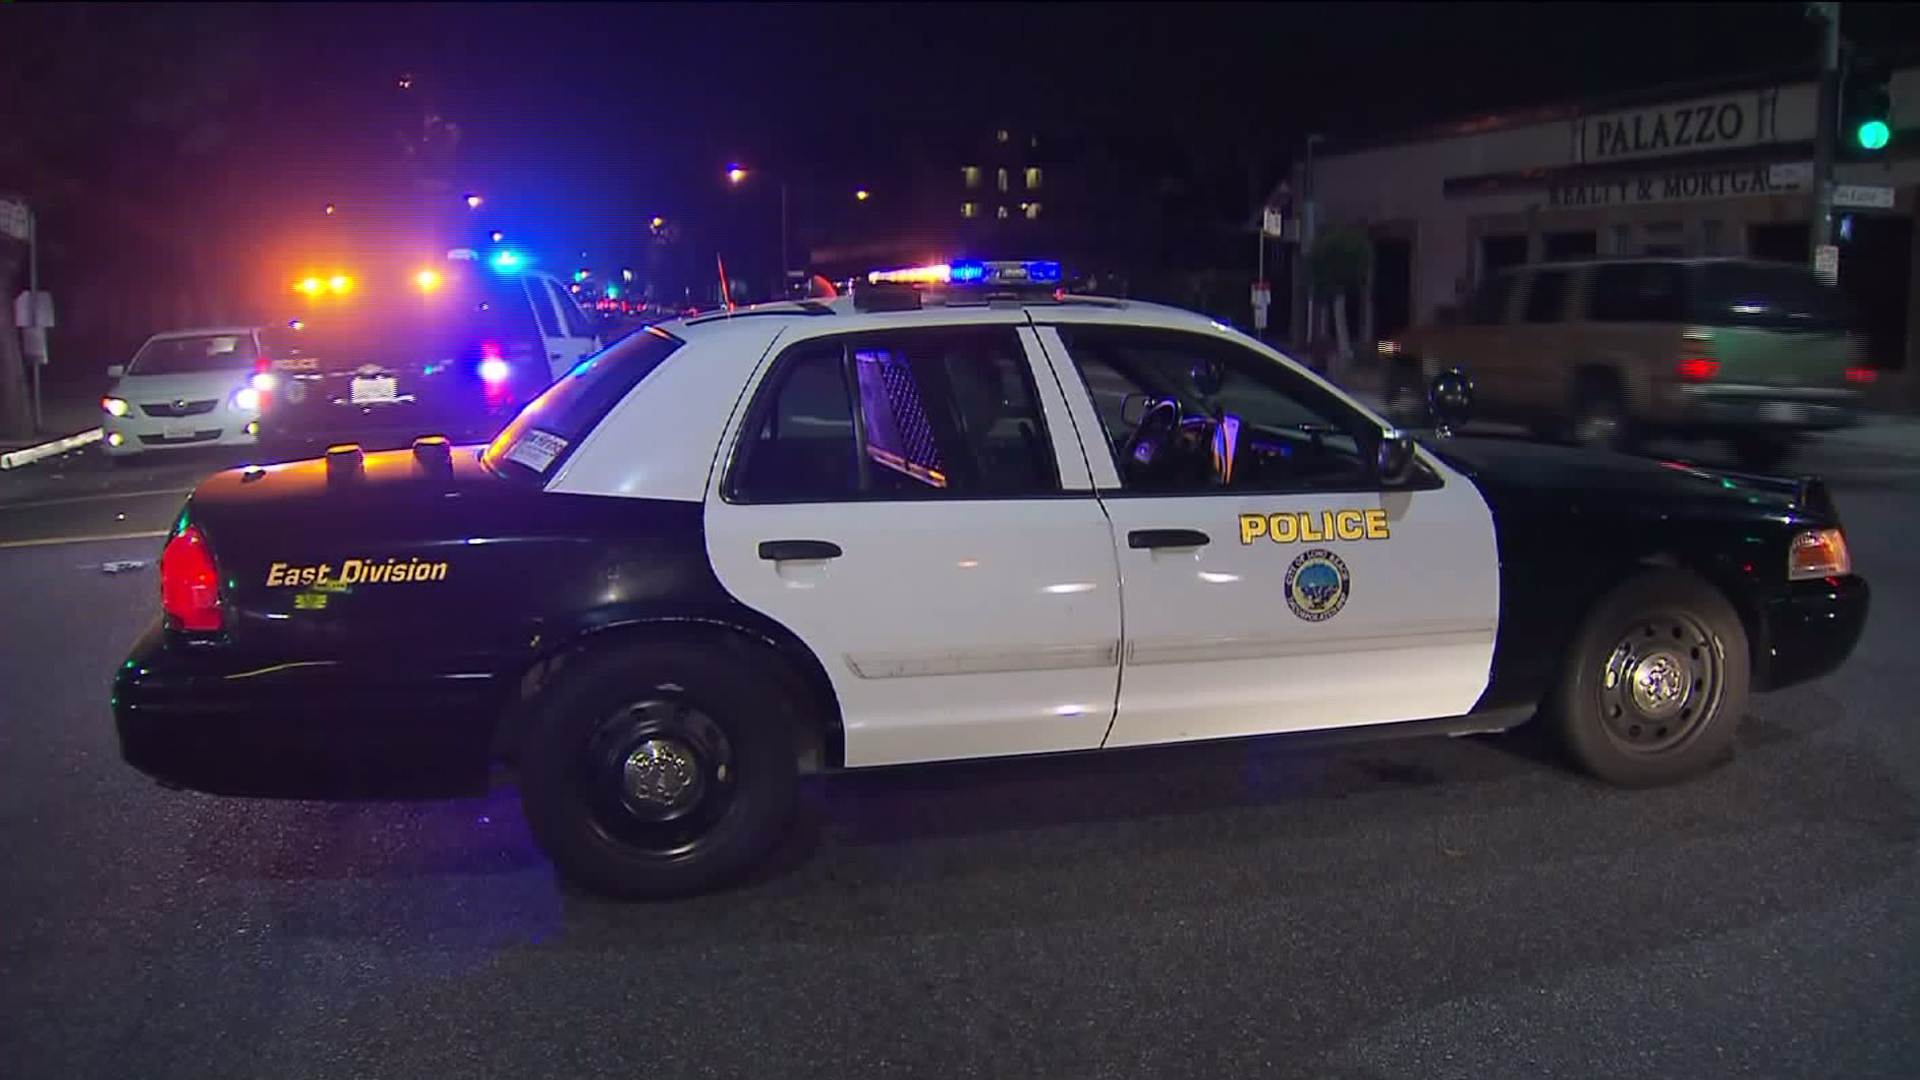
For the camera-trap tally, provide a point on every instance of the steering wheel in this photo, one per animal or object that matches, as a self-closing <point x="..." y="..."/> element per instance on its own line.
<point x="1151" y="444"/>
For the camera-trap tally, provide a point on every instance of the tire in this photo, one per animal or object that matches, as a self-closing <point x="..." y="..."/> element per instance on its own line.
<point x="1681" y="637"/>
<point x="645" y="801"/>
<point x="1761" y="454"/>
<point x="1406" y="402"/>
<point x="1600" y="420"/>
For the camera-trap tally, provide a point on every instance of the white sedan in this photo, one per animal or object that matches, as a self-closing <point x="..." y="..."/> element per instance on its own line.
<point x="184" y="388"/>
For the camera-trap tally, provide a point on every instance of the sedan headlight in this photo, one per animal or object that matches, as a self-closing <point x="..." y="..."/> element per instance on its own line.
<point x="1818" y="554"/>
<point x="246" y="399"/>
<point x="115" y="406"/>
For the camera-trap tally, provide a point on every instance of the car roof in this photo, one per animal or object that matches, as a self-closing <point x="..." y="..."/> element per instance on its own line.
<point x="202" y="331"/>
<point x="840" y="314"/>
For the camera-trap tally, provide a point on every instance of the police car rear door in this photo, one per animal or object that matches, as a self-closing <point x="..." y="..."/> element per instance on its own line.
<point x="1275" y="586"/>
<point x="567" y="333"/>
<point x="910" y="501"/>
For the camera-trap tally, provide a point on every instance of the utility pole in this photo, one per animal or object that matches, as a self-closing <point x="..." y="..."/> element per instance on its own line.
<point x="1309" y="225"/>
<point x="1826" y="124"/>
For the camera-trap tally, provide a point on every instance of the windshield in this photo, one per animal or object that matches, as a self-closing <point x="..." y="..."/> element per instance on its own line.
<point x="186" y="355"/>
<point x="1774" y="297"/>
<point x="535" y="443"/>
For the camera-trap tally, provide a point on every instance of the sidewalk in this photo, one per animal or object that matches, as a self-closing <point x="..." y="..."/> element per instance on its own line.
<point x="60" y="417"/>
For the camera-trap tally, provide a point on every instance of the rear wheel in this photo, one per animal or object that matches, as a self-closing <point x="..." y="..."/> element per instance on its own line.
<point x="1600" y="419"/>
<point x="1763" y="453"/>
<point x="1656" y="682"/>
<point x="654" y="770"/>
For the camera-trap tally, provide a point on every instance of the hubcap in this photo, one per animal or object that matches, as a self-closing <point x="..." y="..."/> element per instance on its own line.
<point x="1659" y="684"/>
<point x="658" y="775"/>
<point x="662" y="773"/>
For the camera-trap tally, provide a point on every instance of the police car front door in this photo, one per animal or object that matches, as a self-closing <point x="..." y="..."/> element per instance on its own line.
<point x="1273" y="586"/>
<point x="912" y="505"/>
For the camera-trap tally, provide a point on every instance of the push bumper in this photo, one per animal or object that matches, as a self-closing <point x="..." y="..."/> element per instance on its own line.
<point x="1811" y="629"/>
<point x="208" y="719"/>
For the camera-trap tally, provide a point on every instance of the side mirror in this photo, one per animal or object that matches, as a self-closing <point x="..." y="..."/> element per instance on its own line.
<point x="1393" y="458"/>
<point x="1450" y="399"/>
<point x="1134" y="407"/>
<point x="115" y="371"/>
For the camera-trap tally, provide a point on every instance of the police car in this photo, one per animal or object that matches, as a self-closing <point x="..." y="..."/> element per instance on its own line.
<point x="959" y="514"/>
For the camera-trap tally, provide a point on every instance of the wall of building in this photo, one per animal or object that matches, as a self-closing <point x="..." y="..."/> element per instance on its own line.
<point x="1632" y="176"/>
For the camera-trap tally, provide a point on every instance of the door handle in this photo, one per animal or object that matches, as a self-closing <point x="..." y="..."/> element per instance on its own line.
<point x="1166" y="538"/>
<point x="799" y="549"/>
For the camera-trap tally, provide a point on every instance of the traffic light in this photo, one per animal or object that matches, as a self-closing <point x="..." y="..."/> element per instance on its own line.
<point x="1866" y="118"/>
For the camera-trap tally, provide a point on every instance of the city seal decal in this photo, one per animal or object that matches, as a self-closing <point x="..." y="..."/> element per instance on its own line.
<point x="1317" y="585"/>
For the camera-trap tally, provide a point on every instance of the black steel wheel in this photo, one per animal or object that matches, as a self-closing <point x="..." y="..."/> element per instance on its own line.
<point x="654" y="770"/>
<point x="1656" y="682"/>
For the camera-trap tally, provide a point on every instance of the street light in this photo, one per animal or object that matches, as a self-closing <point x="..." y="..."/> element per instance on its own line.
<point x="658" y="221"/>
<point x="861" y="195"/>
<point x="473" y="202"/>
<point x="329" y="208"/>
<point x="736" y="174"/>
<point x="498" y="236"/>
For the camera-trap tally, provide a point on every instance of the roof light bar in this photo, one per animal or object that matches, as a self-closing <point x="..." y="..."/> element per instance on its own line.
<point x="972" y="272"/>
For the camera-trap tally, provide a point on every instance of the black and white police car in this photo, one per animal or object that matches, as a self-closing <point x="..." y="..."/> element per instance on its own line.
<point x="958" y="514"/>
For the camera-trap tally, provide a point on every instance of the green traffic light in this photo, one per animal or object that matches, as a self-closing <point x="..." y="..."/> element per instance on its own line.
<point x="1872" y="135"/>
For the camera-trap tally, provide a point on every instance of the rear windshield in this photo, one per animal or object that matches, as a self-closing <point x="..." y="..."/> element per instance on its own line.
<point x="1770" y="297"/>
<point x="181" y="356"/>
<point x="533" y="446"/>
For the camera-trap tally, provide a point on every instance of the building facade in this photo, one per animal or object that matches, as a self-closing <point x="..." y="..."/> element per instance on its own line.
<point x="1720" y="172"/>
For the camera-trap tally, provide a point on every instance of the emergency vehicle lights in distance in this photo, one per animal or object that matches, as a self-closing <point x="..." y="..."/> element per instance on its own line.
<point x="427" y="280"/>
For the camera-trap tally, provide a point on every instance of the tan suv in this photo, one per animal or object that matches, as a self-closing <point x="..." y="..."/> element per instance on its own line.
<point x="1608" y="352"/>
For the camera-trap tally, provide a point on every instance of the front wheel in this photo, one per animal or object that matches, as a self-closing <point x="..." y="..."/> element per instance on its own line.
<point x="654" y="770"/>
<point x="1656" y="683"/>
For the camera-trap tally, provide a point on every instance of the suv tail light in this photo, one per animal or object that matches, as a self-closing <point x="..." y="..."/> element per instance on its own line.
<point x="190" y="583"/>
<point x="1861" y="375"/>
<point x="1697" y="363"/>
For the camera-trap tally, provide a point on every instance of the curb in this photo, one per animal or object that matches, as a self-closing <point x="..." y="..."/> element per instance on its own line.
<point x="31" y="454"/>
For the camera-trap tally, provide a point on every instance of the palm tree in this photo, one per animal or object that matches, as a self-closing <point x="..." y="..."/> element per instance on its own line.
<point x="1338" y="266"/>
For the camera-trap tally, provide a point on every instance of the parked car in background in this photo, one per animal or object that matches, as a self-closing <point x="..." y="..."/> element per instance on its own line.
<point x="183" y="388"/>
<point x="1609" y="352"/>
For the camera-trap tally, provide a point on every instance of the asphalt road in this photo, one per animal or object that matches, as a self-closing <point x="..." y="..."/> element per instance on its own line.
<point x="1453" y="908"/>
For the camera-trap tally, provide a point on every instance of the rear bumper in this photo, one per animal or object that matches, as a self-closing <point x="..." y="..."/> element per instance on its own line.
<point x="1768" y="408"/>
<point x="1811" y="629"/>
<point x="207" y="719"/>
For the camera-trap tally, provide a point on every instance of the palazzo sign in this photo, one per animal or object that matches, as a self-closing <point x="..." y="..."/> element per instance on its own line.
<point x="1699" y="126"/>
<point x="1681" y="185"/>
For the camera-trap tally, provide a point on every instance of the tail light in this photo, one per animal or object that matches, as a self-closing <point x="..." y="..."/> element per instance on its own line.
<point x="1862" y="375"/>
<point x="1697" y="363"/>
<point x="190" y="583"/>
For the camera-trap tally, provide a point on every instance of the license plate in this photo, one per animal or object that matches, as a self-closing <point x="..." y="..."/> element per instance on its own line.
<point x="1783" y="412"/>
<point x="177" y="431"/>
<point x="366" y="391"/>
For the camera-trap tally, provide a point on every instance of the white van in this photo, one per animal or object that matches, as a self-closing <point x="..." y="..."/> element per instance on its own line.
<point x="184" y="388"/>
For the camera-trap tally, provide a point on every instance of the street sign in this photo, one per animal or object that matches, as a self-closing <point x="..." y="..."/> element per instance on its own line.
<point x="29" y="314"/>
<point x="1262" y="294"/>
<point x="1863" y="196"/>
<point x="1273" y="222"/>
<point x="1826" y="263"/>
<point x="14" y="219"/>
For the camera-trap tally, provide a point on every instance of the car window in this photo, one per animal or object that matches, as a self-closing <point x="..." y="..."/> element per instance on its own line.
<point x="538" y="294"/>
<point x="1488" y="306"/>
<point x="1547" y="298"/>
<point x="577" y="324"/>
<point x="1638" y="292"/>
<point x="1250" y="424"/>
<point x="1768" y="297"/>
<point x="922" y="414"/>
<point x="532" y="446"/>
<point x="180" y="356"/>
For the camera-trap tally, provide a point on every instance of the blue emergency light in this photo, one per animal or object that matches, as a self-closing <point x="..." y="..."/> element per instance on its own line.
<point x="972" y="272"/>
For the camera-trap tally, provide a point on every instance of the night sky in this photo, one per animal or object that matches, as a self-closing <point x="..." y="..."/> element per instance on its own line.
<point x="594" y="117"/>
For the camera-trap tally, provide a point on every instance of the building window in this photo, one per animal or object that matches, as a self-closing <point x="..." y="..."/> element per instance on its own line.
<point x="1572" y="244"/>
<point x="969" y="209"/>
<point x="1033" y="141"/>
<point x="1003" y="213"/>
<point x="1710" y="237"/>
<point x="1623" y="239"/>
<point x="970" y="175"/>
<point x="1032" y="209"/>
<point x="1003" y="179"/>
<point x="1663" y="238"/>
<point x="1033" y="178"/>
<point x="1002" y="135"/>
